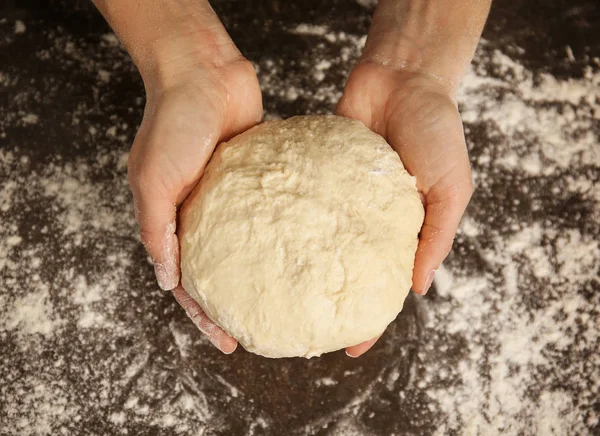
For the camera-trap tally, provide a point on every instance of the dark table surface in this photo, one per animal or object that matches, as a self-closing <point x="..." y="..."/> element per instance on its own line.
<point x="506" y="342"/>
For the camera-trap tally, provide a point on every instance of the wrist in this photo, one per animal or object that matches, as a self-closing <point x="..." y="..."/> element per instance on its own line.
<point x="432" y="37"/>
<point x="170" y="40"/>
<point x="176" y="58"/>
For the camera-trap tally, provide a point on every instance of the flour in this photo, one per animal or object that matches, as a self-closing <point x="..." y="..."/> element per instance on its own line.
<point x="570" y="117"/>
<point x="32" y="314"/>
<point x="328" y="65"/>
<point x="367" y="4"/>
<point x="526" y="313"/>
<point x="44" y="302"/>
<point x="511" y="339"/>
<point x="326" y="381"/>
<point x="30" y="119"/>
<point x="517" y="366"/>
<point x="522" y="317"/>
<point x="310" y="29"/>
<point x="20" y="27"/>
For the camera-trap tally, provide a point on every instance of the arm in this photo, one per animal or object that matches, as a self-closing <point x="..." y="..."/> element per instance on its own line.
<point x="199" y="91"/>
<point x="169" y="38"/>
<point x="404" y="88"/>
<point x="435" y="37"/>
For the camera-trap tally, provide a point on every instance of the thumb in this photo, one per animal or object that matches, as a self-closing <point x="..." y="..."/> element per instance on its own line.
<point x="428" y="136"/>
<point x="156" y="216"/>
<point x="168" y="156"/>
<point x="445" y="204"/>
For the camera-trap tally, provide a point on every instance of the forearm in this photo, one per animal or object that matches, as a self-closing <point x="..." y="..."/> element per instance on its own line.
<point x="169" y="38"/>
<point x="437" y="37"/>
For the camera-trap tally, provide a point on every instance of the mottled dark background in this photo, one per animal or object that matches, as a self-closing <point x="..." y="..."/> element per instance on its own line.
<point x="53" y="72"/>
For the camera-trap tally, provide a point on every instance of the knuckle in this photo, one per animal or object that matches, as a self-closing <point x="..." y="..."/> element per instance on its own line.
<point x="246" y="67"/>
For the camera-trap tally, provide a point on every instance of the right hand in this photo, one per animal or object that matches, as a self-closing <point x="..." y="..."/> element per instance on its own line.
<point x="183" y="122"/>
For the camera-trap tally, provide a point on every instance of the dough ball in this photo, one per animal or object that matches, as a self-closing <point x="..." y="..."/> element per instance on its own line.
<point x="300" y="238"/>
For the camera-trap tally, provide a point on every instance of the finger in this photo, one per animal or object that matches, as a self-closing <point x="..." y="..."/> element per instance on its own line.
<point x="431" y="143"/>
<point x="167" y="158"/>
<point x="215" y="334"/>
<point x="156" y="216"/>
<point x="444" y="207"/>
<point x="362" y="348"/>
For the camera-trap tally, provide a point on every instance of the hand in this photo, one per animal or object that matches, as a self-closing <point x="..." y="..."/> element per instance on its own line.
<point x="415" y="56"/>
<point x="182" y="124"/>
<point x="199" y="92"/>
<point x="418" y="117"/>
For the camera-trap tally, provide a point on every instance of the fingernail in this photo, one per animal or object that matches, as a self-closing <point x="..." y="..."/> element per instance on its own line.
<point x="428" y="281"/>
<point x="350" y="355"/>
<point x="228" y="352"/>
<point x="167" y="278"/>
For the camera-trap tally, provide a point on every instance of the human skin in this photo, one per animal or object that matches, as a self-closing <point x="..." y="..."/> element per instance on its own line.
<point x="404" y="88"/>
<point x="200" y="90"/>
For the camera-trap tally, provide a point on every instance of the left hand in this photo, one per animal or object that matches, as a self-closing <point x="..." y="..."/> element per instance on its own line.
<point x="418" y="117"/>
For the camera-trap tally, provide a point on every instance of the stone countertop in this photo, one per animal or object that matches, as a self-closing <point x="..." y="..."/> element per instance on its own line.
<point x="506" y="342"/>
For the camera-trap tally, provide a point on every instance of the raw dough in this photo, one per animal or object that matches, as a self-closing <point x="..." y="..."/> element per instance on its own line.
<point x="300" y="238"/>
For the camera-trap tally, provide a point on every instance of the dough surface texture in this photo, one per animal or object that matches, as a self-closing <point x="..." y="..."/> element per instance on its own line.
<point x="301" y="236"/>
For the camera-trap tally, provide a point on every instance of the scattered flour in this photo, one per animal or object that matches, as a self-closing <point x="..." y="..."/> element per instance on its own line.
<point x="30" y="119"/>
<point x="368" y="4"/>
<point x="530" y="323"/>
<point x="32" y="314"/>
<point x="510" y="345"/>
<point x="20" y="27"/>
<point x="65" y="258"/>
<point x="325" y="381"/>
<point x="285" y="84"/>
<point x="310" y="29"/>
